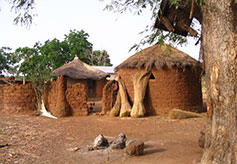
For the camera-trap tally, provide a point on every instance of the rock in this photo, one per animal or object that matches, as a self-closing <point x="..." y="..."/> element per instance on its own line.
<point x="181" y="114"/>
<point x="135" y="148"/>
<point x="201" y="140"/>
<point x="119" y="142"/>
<point x="100" y="142"/>
<point x="130" y="141"/>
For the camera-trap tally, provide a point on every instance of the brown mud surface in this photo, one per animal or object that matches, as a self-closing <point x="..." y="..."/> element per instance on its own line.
<point x="39" y="140"/>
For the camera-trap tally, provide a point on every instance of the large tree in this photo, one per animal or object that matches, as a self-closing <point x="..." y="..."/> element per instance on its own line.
<point x="219" y="48"/>
<point x="219" y="31"/>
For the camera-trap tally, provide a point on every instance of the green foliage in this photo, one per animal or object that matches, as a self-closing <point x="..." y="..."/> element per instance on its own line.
<point x="56" y="52"/>
<point x="99" y="58"/>
<point x="78" y="44"/>
<point x="7" y="60"/>
<point x="36" y="66"/>
<point x="24" y="10"/>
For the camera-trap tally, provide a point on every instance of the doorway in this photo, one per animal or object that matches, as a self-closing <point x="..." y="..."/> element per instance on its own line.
<point x="91" y="88"/>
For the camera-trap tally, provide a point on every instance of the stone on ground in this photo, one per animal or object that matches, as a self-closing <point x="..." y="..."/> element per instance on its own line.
<point x="119" y="142"/>
<point x="135" y="148"/>
<point x="100" y="142"/>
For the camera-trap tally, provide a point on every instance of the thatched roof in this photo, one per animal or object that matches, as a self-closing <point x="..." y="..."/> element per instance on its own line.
<point x="77" y="69"/>
<point x="159" y="56"/>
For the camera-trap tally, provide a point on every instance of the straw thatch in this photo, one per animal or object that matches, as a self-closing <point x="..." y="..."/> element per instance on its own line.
<point x="77" y="69"/>
<point x="159" y="56"/>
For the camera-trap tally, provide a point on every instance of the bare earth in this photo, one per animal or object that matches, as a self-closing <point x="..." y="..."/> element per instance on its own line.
<point x="39" y="140"/>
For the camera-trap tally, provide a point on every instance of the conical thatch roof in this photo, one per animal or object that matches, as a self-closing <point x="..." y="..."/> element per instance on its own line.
<point x="159" y="56"/>
<point x="77" y="69"/>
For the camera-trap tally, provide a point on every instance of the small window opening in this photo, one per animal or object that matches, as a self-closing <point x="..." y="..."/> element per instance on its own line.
<point x="152" y="77"/>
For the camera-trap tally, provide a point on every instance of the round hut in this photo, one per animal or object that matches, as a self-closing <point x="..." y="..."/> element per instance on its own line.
<point x="158" y="79"/>
<point x="78" y="85"/>
<point x="77" y="71"/>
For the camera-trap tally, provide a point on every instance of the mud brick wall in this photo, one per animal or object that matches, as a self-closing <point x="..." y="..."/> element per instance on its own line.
<point x="99" y="87"/>
<point x="170" y="88"/>
<point x="109" y="96"/>
<point x="71" y="81"/>
<point x="50" y="96"/>
<point x="76" y="96"/>
<point x="18" y="98"/>
<point x="55" y="100"/>
<point x="75" y="101"/>
<point x="1" y="96"/>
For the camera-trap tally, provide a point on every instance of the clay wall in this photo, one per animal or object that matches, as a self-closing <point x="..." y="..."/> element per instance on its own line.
<point x="109" y="96"/>
<point x="1" y="96"/>
<point x="76" y="96"/>
<point x="170" y="88"/>
<point x="18" y="98"/>
<point x="75" y="102"/>
<point x="50" y="96"/>
<point x="99" y="87"/>
<point x="71" y="81"/>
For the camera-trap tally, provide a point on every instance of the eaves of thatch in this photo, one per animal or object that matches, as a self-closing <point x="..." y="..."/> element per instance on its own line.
<point x="159" y="57"/>
<point x="77" y="69"/>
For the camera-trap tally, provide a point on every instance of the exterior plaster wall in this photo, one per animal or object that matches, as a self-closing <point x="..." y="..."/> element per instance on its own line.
<point x="170" y="88"/>
<point x="18" y="98"/>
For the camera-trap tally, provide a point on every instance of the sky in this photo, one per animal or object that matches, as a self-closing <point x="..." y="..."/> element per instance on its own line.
<point x="113" y="32"/>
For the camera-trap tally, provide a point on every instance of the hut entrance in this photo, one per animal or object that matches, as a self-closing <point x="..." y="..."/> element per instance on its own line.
<point x="91" y="88"/>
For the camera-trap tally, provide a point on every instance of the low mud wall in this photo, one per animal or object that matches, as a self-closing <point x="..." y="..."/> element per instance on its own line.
<point x="63" y="100"/>
<point x="76" y="96"/>
<point x="18" y="98"/>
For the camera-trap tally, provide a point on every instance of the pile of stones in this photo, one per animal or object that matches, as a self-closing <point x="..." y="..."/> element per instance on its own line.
<point x="131" y="147"/>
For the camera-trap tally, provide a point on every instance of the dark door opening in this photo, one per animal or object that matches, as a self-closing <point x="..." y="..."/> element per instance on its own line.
<point x="91" y="88"/>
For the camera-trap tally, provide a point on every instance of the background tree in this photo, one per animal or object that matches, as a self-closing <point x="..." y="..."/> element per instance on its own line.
<point x="36" y="67"/>
<point x="78" y="44"/>
<point x="98" y="58"/>
<point x="56" y="52"/>
<point x="7" y="61"/>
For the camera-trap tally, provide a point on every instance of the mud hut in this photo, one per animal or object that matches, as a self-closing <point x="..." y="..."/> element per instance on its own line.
<point x="77" y="71"/>
<point x="156" y="80"/>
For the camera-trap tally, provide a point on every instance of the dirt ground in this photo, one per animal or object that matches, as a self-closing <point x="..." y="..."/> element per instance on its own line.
<point x="40" y="140"/>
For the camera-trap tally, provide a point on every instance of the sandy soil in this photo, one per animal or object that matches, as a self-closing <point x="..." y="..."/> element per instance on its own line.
<point x="39" y="140"/>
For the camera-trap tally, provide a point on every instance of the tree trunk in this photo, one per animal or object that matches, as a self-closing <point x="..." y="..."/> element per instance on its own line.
<point x="220" y="54"/>
<point x="125" y="106"/>
<point x="140" y="82"/>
